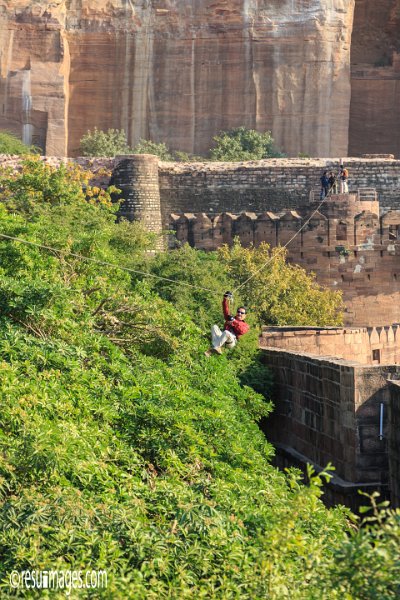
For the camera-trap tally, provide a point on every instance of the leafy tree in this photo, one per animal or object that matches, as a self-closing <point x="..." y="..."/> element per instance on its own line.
<point x="36" y="185"/>
<point x="159" y="149"/>
<point x="243" y="144"/>
<point x="104" y="143"/>
<point x="280" y="293"/>
<point x="11" y="144"/>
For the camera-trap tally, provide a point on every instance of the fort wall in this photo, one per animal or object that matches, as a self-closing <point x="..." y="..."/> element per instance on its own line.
<point x="330" y="408"/>
<point x="267" y="185"/>
<point x="371" y="345"/>
<point x="271" y="184"/>
<point x="345" y="243"/>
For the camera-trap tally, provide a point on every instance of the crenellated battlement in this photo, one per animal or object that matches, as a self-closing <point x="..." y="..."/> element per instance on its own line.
<point x="343" y="218"/>
<point x="346" y="243"/>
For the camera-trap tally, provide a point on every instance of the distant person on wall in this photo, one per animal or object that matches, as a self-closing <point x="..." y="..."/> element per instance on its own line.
<point x="324" y="185"/>
<point x="344" y="179"/>
<point x="332" y="183"/>
<point x="234" y="327"/>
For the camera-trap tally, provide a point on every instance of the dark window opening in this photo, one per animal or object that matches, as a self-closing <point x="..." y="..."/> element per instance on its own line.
<point x="376" y="355"/>
<point x="393" y="232"/>
<point x="341" y="231"/>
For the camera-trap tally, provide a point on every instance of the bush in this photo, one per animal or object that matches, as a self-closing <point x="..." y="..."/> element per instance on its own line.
<point x="104" y="143"/>
<point x="158" y="149"/>
<point x="278" y="293"/>
<point x="11" y="144"/>
<point x="243" y="144"/>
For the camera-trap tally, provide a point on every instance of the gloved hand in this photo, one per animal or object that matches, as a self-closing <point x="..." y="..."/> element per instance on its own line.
<point x="231" y="318"/>
<point x="228" y="295"/>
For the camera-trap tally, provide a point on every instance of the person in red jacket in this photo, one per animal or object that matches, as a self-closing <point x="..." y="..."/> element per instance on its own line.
<point x="234" y="327"/>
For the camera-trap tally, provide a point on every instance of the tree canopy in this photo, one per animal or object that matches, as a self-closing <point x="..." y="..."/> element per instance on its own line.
<point x="240" y="144"/>
<point x="104" y="143"/>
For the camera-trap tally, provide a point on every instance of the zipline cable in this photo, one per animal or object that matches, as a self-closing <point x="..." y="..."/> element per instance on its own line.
<point x="104" y="263"/>
<point x="183" y="283"/>
<point x="272" y="258"/>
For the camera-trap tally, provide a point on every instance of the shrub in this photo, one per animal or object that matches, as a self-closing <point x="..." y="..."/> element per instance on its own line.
<point x="158" y="149"/>
<point x="11" y="144"/>
<point x="104" y="143"/>
<point x="123" y="448"/>
<point x="243" y="144"/>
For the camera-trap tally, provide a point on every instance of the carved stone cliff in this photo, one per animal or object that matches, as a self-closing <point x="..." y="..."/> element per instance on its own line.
<point x="375" y="78"/>
<point x="181" y="70"/>
<point x="177" y="70"/>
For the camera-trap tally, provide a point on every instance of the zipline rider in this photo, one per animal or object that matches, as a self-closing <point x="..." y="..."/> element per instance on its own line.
<point x="234" y="327"/>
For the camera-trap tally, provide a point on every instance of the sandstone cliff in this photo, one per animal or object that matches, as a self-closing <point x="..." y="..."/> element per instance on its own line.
<point x="181" y="70"/>
<point x="375" y="78"/>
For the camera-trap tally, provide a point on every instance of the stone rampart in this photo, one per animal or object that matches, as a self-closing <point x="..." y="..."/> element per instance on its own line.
<point x="371" y="345"/>
<point x="267" y="185"/>
<point x="345" y="243"/>
<point x="328" y="409"/>
<point x="136" y="175"/>
<point x="337" y="399"/>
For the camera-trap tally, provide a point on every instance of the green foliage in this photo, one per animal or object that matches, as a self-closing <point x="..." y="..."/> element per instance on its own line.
<point x="280" y="293"/>
<point x="123" y="448"/>
<point x="148" y="147"/>
<point x="104" y="143"/>
<point x="161" y="150"/>
<point x="11" y="144"/>
<point x="200" y="270"/>
<point x="36" y="186"/>
<point x="367" y="564"/>
<point x="235" y="144"/>
<point x="243" y="144"/>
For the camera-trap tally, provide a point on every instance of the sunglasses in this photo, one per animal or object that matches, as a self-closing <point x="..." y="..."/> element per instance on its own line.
<point x="241" y="312"/>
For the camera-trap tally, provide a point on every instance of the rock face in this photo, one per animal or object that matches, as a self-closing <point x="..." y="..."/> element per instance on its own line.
<point x="375" y="78"/>
<point x="34" y="63"/>
<point x="179" y="71"/>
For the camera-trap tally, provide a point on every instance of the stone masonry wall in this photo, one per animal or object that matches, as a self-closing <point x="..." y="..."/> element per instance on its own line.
<point x="267" y="185"/>
<point x="137" y="178"/>
<point x="370" y="345"/>
<point x="328" y="411"/>
<point x="344" y="242"/>
<point x="273" y="184"/>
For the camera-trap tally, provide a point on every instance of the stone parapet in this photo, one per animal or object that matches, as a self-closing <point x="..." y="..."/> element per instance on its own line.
<point x="370" y="345"/>
<point x="270" y="184"/>
<point x="328" y="410"/>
